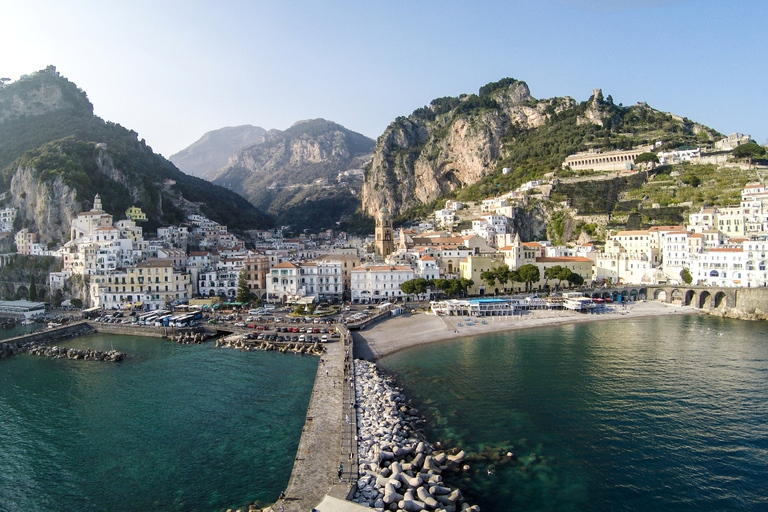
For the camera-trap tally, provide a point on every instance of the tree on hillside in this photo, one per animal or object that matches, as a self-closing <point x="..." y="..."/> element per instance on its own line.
<point x="647" y="157"/>
<point x="32" y="289"/>
<point x="686" y="276"/>
<point x="749" y="151"/>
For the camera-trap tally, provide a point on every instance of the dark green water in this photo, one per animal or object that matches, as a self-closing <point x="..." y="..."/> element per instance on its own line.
<point x="666" y="413"/>
<point x="173" y="427"/>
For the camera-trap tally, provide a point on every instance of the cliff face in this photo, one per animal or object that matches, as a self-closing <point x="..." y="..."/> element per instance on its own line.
<point x="41" y="93"/>
<point x="213" y="150"/>
<point x="289" y="168"/>
<point x="55" y="156"/>
<point x="450" y="144"/>
<point x="45" y="207"/>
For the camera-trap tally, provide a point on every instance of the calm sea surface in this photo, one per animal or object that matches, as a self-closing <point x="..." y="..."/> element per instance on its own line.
<point x="173" y="427"/>
<point x="667" y="413"/>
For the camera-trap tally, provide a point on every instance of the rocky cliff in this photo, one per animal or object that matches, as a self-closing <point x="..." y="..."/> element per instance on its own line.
<point x="55" y="156"/>
<point x="292" y="170"/>
<point x="458" y="147"/>
<point x="213" y="150"/>
<point x="451" y="143"/>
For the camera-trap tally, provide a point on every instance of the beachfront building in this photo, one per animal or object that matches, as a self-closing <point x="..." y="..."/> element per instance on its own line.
<point x="472" y="268"/>
<point x="218" y="282"/>
<point x="741" y="265"/>
<point x="576" y="264"/>
<point x="379" y="282"/>
<point x="474" y="307"/>
<point x="676" y="252"/>
<point x="151" y="284"/>
<point x="321" y="279"/>
<point x="256" y="268"/>
<point x="283" y="282"/>
<point x="346" y="262"/>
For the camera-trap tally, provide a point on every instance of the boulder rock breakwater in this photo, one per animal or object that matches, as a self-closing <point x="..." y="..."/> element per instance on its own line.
<point x="39" y="349"/>
<point x="399" y="469"/>
<point x="236" y="341"/>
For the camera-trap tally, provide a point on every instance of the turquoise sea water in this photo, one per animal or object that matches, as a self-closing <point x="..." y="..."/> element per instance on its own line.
<point x="667" y="413"/>
<point x="173" y="427"/>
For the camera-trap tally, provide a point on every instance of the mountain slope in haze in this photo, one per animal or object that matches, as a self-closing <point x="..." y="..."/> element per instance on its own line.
<point x="212" y="151"/>
<point x="295" y="174"/>
<point x="459" y="146"/>
<point x="55" y="156"/>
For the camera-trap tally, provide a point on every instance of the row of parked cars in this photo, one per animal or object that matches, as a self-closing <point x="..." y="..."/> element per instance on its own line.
<point x="279" y="337"/>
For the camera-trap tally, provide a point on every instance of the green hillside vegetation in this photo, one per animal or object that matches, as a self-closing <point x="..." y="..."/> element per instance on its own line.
<point x="62" y="143"/>
<point x="533" y="153"/>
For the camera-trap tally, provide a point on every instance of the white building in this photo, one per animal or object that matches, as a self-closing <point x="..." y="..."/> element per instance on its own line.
<point x="379" y="283"/>
<point x="283" y="282"/>
<point x="7" y="216"/>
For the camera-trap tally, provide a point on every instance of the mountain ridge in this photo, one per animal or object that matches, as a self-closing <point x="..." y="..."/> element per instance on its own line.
<point x="459" y="143"/>
<point x="55" y="155"/>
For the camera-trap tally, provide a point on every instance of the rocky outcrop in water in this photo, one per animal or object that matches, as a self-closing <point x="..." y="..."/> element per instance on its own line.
<point x="39" y="349"/>
<point x="399" y="469"/>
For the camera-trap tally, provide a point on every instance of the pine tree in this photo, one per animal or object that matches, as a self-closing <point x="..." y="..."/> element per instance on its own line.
<point x="243" y="292"/>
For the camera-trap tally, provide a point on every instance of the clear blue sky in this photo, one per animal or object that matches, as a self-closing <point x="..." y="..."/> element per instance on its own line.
<point x="173" y="70"/>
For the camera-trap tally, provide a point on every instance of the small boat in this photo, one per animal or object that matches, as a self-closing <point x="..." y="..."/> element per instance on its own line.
<point x="27" y="322"/>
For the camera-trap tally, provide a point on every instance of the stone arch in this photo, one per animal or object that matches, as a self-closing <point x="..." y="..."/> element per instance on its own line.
<point x="22" y="293"/>
<point x="642" y="293"/>
<point x="704" y="300"/>
<point x="720" y="300"/>
<point x="596" y="295"/>
<point x="633" y="295"/>
<point x="660" y="295"/>
<point x="688" y="297"/>
<point x="676" y="295"/>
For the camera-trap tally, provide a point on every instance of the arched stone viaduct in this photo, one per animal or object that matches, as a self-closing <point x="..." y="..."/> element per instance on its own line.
<point x="711" y="297"/>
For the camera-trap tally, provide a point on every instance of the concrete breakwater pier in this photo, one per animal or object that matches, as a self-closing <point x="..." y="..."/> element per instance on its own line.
<point x="399" y="469"/>
<point x="38" y="344"/>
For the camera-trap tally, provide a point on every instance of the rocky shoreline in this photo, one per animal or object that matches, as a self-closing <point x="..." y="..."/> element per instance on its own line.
<point x="40" y="349"/>
<point x="399" y="469"/>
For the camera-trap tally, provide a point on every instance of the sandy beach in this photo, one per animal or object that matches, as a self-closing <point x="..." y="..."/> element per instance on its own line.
<point x="405" y="331"/>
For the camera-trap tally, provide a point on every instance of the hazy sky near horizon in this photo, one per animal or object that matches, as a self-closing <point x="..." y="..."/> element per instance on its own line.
<point x="173" y="70"/>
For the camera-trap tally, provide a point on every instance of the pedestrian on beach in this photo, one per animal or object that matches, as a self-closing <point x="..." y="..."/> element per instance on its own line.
<point x="326" y="373"/>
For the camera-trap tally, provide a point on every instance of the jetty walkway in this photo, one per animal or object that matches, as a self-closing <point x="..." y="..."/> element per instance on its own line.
<point x="329" y="437"/>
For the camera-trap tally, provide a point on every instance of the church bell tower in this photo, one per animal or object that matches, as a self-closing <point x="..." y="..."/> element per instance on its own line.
<point x="385" y="243"/>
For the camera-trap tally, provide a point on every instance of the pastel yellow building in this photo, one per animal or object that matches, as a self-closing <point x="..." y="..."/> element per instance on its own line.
<point x="135" y="214"/>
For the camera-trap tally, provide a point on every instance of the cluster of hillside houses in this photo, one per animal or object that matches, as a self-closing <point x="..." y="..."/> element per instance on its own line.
<point x="119" y="268"/>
